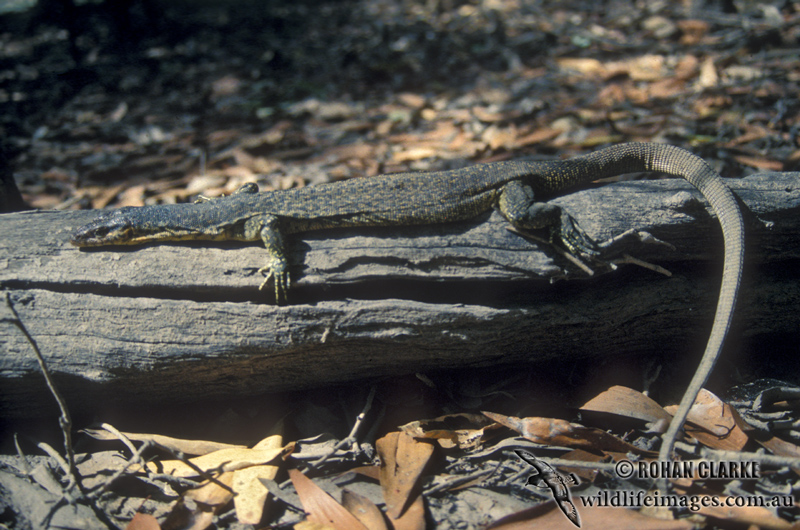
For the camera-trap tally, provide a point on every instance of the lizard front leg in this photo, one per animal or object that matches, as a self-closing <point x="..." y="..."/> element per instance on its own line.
<point x="518" y="205"/>
<point x="277" y="269"/>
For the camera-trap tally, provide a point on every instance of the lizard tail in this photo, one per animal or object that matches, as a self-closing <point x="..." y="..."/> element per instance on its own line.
<point x="678" y="162"/>
<point x="636" y="157"/>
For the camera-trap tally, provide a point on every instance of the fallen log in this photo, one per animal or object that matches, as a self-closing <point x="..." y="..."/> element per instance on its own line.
<point x="186" y="321"/>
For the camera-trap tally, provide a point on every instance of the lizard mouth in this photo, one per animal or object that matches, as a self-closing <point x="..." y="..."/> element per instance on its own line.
<point x="109" y="234"/>
<point x="95" y="237"/>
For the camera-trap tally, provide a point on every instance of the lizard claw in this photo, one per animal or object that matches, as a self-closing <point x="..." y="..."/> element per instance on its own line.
<point x="573" y="237"/>
<point x="276" y="272"/>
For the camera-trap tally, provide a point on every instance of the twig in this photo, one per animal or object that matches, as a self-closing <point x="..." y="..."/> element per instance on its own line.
<point x="23" y="458"/>
<point x="121" y="437"/>
<point x="205" y="474"/>
<point x="351" y="438"/>
<point x="630" y="260"/>
<point x="449" y="484"/>
<point x="64" y="421"/>
<point x="571" y="257"/>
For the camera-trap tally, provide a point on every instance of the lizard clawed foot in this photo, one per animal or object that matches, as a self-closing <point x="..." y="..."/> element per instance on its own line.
<point x="564" y="253"/>
<point x="280" y="276"/>
<point x="570" y="233"/>
<point x="578" y="245"/>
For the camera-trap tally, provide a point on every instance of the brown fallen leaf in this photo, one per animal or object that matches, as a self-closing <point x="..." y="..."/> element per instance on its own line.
<point x="364" y="510"/>
<point x="693" y="31"/>
<point x="212" y="494"/>
<point x="413" y="518"/>
<point x="585" y="66"/>
<point x="402" y="460"/>
<point x="143" y="521"/>
<point x="643" y="68"/>
<point x="321" y="507"/>
<point x="209" y="499"/>
<point x="373" y="472"/>
<point x="538" y="136"/>
<point x="718" y="427"/>
<point x="751" y="134"/>
<point x="222" y="460"/>
<point x="760" y="163"/>
<point x="579" y="455"/>
<point x="309" y="525"/>
<point x="629" y="403"/>
<point x="708" y="74"/>
<point x="250" y="493"/>
<point x="781" y="447"/>
<point x="409" y="155"/>
<point x="688" y="66"/>
<point x="496" y="137"/>
<point x="411" y="99"/>
<point x="666" y="88"/>
<point x="486" y="116"/>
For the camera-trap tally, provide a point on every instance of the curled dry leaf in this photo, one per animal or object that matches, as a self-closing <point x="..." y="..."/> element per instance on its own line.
<point x="464" y="431"/>
<point x="561" y="433"/>
<point x="189" y="447"/>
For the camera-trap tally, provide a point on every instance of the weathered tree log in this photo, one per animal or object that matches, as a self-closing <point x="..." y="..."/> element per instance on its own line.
<point x="188" y="321"/>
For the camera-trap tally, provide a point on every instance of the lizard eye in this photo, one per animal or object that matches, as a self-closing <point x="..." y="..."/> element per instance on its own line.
<point x="102" y="231"/>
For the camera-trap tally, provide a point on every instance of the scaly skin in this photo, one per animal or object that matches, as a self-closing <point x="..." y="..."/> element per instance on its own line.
<point x="433" y="198"/>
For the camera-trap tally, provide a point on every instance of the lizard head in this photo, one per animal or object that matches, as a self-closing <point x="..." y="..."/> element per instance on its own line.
<point x="125" y="226"/>
<point x="113" y="228"/>
<point x="164" y="222"/>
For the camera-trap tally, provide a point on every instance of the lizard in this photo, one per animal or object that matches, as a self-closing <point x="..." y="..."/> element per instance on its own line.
<point x="513" y="187"/>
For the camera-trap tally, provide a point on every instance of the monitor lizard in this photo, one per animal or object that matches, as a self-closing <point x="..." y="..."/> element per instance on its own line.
<point x="438" y="197"/>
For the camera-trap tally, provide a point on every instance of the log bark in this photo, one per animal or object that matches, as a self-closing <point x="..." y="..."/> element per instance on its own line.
<point x="186" y="321"/>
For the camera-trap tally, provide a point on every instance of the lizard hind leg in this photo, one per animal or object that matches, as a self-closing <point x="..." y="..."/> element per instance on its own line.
<point x="517" y="204"/>
<point x="277" y="270"/>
